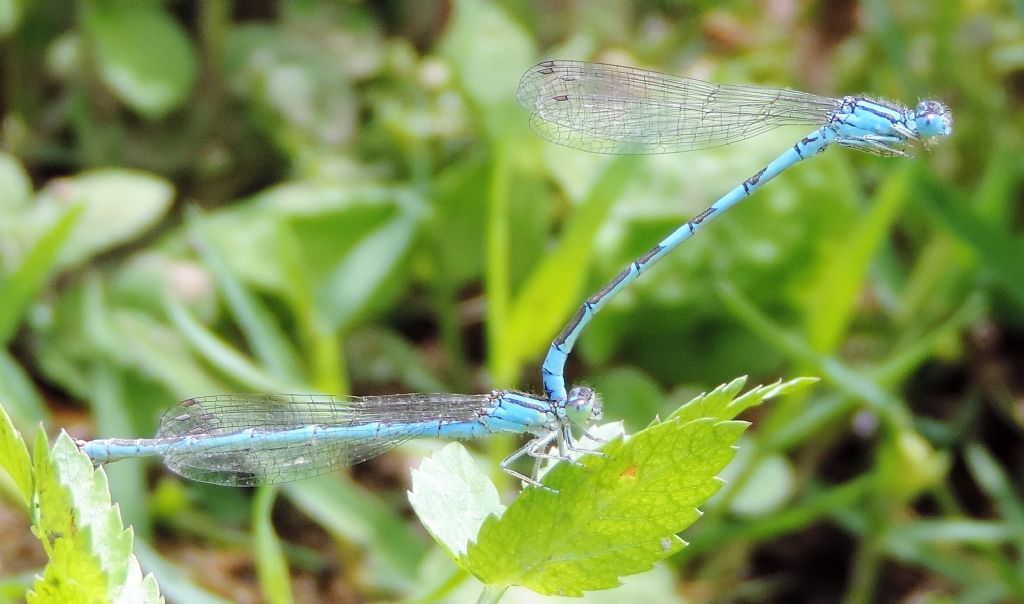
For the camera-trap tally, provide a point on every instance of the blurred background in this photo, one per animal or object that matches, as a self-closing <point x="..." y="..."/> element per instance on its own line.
<point x="199" y="198"/>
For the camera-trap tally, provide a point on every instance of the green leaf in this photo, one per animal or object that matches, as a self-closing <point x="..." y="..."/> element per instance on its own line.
<point x="14" y="458"/>
<point x="18" y="392"/>
<point x="723" y="401"/>
<point x="842" y="275"/>
<point x="270" y="563"/>
<point x="328" y="222"/>
<point x="178" y="582"/>
<point x="160" y="353"/>
<point x="994" y="481"/>
<point x="326" y="360"/>
<point x="452" y="497"/>
<point x="552" y="293"/>
<point x="90" y="552"/>
<point x="903" y="450"/>
<point x="21" y="286"/>
<point x="15" y="184"/>
<point x="10" y="15"/>
<point x="352" y="514"/>
<point x="997" y="250"/>
<point x="359" y="276"/>
<point x="768" y="488"/>
<point x="268" y="340"/>
<point x="219" y="353"/>
<point x="619" y="513"/>
<point x="143" y="55"/>
<point x="119" y="206"/>
<point x="490" y="51"/>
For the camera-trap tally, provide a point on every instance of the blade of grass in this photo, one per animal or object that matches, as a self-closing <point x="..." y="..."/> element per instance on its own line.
<point x="271" y="567"/>
<point x="995" y="482"/>
<point x="552" y="291"/>
<point x="829" y="316"/>
<point x="22" y="285"/>
<point x="269" y="342"/>
<point x="161" y="355"/>
<point x="852" y="382"/>
<point x="19" y="394"/>
<point x="221" y="354"/>
<point x="352" y="514"/>
<point x="175" y="584"/>
<point x="796" y="516"/>
<point x="998" y="252"/>
<point x="501" y="358"/>
<point x="329" y="373"/>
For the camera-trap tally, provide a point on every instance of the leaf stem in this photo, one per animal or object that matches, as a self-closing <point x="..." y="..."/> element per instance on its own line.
<point x="491" y="594"/>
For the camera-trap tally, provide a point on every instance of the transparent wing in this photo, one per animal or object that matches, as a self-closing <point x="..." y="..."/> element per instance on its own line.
<point x="623" y="110"/>
<point x="254" y="439"/>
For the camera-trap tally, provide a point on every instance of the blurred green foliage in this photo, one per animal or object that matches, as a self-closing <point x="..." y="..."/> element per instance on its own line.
<point x="344" y="197"/>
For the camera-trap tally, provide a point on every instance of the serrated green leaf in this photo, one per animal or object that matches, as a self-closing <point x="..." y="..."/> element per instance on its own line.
<point x="760" y="394"/>
<point x="90" y="552"/>
<point x="143" y="55"/>
<point x="74" y="573"/>
<point x="90" y="497"/>
<point x="613" y="516"/>
<point x="616" y="514"/>
<point x="14" y="458"/>
<point x="452" y="497"/>
<point x="723" y="402"/>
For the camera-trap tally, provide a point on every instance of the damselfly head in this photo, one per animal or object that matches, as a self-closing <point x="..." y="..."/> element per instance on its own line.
<point x="583" y="406"/>
<point x="933" y="119"/>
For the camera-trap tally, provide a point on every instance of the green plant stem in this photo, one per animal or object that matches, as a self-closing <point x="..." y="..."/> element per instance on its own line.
<point x="439" y="591"/>
<point x="491" y="594"/>
<point x="715" y="535"/>
<point x="271" y="567"/>
<point x="864" y="572"/>
<point x="215" y="17"/>
<point x="502" y="360"/>
<point x="443" y="289"/>
<point x="852" y="382"/>
<point x="204" y="528"/>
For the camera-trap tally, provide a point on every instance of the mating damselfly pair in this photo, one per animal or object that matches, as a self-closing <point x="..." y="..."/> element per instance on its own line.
<point x="247" y="440"/>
